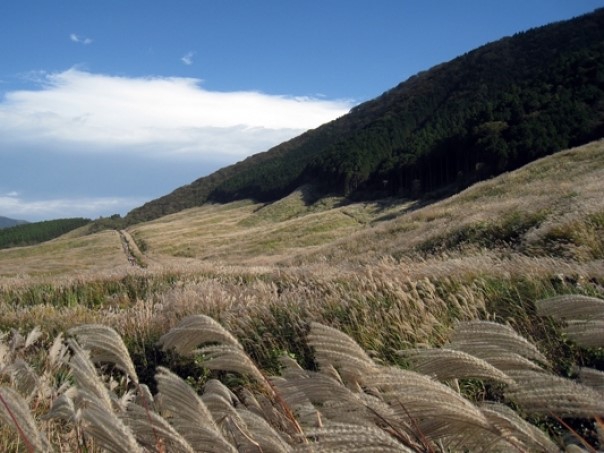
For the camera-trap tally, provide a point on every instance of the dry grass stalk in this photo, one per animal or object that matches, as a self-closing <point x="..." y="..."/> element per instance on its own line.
<point x="195" y="330"/>
<point x="571" y="307"/>
<point x="446" y="364"/>
<point x="15" y="412"/>
<point x="508" y="362"/>
<point x="23" y="377"/>
<point x="337" y="349"/>
<point x="265" y="436"/>
<point x="105" y="345"/>
<point x="230" y="358"/>
<point x="57" y="354"/>
<point x="586" y="333"/>
<point x="541" y="393"/>
<point x="107" y="429"/>
<point x="341" y="437"/>
<point x="592" y="378"/>
<point x="221" y="403"/>
<point x="316" y="397"/>
<point x="188" y="414"/>
<point x="584" y="317"/>
<point x="32" y="337"/>
<point x="314" y="388"/>
<point x="511" y="426"/>
<point x="440" y="412"/>
<point x="63" y="408"/>
<point x="154" y="433"/>
<point x="87" y="380"/>
<point x="473" y="336"/>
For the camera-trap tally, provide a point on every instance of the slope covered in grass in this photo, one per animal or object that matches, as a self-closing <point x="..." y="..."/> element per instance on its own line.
<point x="550" y="208"/>
<point x="69" y="255"/>
<point x="249" y="232"/>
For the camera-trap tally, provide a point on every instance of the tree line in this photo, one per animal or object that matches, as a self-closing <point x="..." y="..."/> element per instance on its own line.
<point x="37" y="232"/>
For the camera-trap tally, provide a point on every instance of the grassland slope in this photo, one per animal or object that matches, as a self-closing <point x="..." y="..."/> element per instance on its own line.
<point x="551" y="208"/>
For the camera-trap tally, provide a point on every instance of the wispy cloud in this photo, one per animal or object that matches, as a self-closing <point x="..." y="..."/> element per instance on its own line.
<point x="80" y="39"/>
<point x="188" y="58"/>
<point x="36" y="210"/>
<point x="83" y="112"/>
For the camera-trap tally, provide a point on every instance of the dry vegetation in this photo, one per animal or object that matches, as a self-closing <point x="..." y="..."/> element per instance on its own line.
<point x="362" y="296"/>
<point x="84" y="392"/>
<point x="64" y="256"/>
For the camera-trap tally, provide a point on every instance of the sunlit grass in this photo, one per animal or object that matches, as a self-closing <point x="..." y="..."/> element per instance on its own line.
<point x="545" y="195"/>
<point x="246" y="232"/>
<point x="94" y="253"/>
<point x="471" y="389"/>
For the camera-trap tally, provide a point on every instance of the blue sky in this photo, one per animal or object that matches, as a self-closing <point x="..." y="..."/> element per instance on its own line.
<point x="107" y="104"/>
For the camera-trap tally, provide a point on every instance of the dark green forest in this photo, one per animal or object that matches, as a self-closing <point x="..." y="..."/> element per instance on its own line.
<point x="491" y="110"/>
<point x="37" y="232"/>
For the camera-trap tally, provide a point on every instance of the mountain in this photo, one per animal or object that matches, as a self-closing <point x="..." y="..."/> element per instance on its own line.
<point x="5" y="222"/>
<point x="488" y="111"/>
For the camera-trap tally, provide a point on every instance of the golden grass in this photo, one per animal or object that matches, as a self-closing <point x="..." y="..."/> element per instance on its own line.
<point x="329" y="260"/>
<point x="243" y="232"/>
<point x="559" y="190"/>
<point x="83" y="393"/>
<point x="72" y="254"/>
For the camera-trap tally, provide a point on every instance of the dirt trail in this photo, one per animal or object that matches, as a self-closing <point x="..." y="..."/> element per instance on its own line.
<point x="133" y="254"/>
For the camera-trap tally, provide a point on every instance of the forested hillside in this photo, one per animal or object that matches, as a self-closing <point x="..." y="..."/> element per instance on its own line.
<point x="491" y="110"/>
<point x="34" y="233"/>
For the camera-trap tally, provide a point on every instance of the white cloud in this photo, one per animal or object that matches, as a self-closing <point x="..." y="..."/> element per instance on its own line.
<point x="18" y="208"/>
<point x="131" y="131"/>
<point x="80" y="39"/>
<point x="79" y="111"/>
<point x="188" y="58"/>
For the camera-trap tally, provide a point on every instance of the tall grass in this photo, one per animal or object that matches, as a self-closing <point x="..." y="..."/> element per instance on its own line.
<point x="384" y="306"/>
<point x="83" y="393"/>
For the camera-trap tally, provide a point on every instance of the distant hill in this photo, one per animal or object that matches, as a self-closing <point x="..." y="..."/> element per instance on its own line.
<point x="486" y="112"/>
<point x="37" y="232"/>
<point x="6" y="222"/>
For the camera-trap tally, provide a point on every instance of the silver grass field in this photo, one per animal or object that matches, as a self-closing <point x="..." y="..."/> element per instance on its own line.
<point x="83" y="392"/>
<point x="475" y="323"/>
